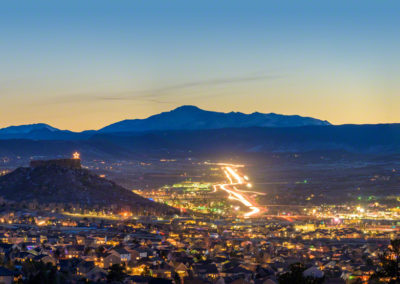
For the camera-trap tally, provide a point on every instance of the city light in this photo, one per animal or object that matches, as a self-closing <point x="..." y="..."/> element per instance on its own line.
<point x="239" y="195"/>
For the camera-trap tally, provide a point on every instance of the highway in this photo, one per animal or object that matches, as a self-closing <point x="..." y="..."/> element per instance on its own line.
<point x="235" y="180"/>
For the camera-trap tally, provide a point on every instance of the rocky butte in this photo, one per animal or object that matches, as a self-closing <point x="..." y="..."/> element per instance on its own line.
<point x="74" y="163"/>
<point x="64" y="181"/>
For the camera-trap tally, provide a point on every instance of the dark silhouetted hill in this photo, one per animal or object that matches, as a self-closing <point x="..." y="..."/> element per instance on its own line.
<point x="57" y="184"/>
<point x="374" y="139"/>
<point x="384" y="138"/>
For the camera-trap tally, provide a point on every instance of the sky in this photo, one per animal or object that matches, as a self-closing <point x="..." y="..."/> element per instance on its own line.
<point x="85" y="64"/>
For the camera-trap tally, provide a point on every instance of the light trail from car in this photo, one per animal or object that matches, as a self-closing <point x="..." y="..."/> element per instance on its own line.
<point x="235" y="179"/>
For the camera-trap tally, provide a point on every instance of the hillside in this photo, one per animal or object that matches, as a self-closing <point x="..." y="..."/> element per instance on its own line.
<point x="57" y="184"/>
<point x="352" y="138"/>
<point x="373" y="139"/>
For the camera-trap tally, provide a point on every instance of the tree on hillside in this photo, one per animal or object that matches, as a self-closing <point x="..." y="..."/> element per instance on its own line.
<point x="295" y="275"/>
<point x="389" y="262"/>
<point x="116" y="273"/>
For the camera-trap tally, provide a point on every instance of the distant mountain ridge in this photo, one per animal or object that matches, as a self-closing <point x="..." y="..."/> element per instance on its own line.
<point x="370" y="139"/>
<point x="182" y="118"/>
<point x="41" y="131"/>
<point x="23" y="129"/>
<point x="193" y="118"/>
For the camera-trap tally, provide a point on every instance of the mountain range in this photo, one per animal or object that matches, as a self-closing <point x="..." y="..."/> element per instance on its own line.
<point x="194" y="118"/>
<point x="189" y="130"/>
<point x="181" y="118"/>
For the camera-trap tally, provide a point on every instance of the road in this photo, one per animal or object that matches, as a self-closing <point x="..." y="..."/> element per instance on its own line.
<point x="236" y="181"/>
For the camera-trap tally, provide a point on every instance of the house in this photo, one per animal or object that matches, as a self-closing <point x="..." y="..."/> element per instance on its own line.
<point x="110" y="259"/>
<point x="96" y="274"/>
<point x="45" y="259"/>
<point x="313" y="272"/>
<point x="123" y="254"/>
<point x="137" y="279"/>
<point x="23" y="256"/>
<point x="238" y="272"/>
<point x="162" y="270"/>
<point x="182" y="270"/>
<point x="84" y="267"/>
<point x="206" y="270"/>
<point x="140" y="252"/>
<point x="72" y="251"/>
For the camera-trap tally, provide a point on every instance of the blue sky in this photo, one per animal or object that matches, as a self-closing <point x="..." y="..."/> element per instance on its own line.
<point x="84" y="64"/>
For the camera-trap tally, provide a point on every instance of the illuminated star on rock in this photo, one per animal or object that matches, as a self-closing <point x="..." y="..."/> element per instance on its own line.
<point x="76" y="155"/>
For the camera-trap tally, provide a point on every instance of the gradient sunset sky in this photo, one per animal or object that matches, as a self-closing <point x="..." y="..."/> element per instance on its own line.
<point x="85" y="64"/>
